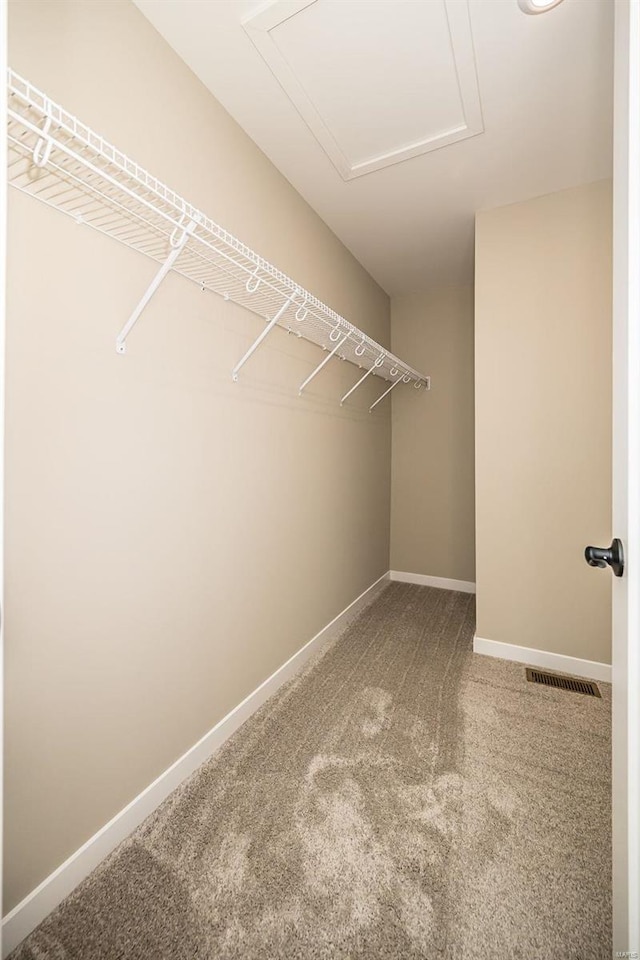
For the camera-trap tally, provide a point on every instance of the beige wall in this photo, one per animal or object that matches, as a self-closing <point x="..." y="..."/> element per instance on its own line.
<point x="172" y="537"/>
<point x="432" y="495"/>
<point x="543" y="421"/>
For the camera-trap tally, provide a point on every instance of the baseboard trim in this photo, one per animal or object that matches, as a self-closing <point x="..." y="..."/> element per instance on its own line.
<point x="590" y="669"/>
<point x="442" y="583"/>
<point x="37" y="905"/>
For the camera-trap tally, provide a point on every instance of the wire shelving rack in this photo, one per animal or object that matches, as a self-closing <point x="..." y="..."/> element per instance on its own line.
<point x="57" y="159"/>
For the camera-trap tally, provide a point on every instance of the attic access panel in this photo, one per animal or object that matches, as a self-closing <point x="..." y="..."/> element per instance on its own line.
<point x="367" y="107"/>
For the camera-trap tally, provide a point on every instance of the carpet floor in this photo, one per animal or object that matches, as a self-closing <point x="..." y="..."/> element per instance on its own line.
<point x="402" y="798"/>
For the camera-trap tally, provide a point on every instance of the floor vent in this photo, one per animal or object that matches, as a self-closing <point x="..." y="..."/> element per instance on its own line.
<point x="563" y="683"/>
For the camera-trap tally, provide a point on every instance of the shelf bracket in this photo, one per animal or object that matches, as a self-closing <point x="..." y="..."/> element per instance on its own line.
<point x="177" y="244"/>
<point x="321" y="364"/>
<point x="267" y="330"/>
<point x="378" y="363"/>
<point x="403" y="378"/>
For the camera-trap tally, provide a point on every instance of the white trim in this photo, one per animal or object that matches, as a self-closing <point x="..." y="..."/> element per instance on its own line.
<point x="544" y="659"/>
<point x="442" y="583"/>
<point x="3" y="310"/>
<point x="626" y="479"/>
<point x="31" y="911"/>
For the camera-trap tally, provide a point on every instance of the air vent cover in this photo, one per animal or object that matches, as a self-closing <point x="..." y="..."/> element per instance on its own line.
<point x="563" y="683"/>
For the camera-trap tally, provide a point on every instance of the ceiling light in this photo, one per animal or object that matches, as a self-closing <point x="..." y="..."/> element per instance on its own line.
<point x="537" y="6"/>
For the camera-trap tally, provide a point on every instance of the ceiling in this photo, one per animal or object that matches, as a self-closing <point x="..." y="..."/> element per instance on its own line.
<point x="398" y="119"/>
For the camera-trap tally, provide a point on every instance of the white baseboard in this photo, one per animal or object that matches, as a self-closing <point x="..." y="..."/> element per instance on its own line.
<point x="590" y="669"/>
<point x="31" y="911"/>
<point x="462" y="586"/>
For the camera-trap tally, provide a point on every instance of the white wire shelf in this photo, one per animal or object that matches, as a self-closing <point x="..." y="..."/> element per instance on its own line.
<point x="61" y="162"/>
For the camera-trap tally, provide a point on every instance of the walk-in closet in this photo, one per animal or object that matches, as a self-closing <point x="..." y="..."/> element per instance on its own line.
<point x="320" y="585"/>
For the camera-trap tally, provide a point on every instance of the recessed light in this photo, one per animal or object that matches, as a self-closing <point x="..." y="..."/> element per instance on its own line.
<point x="537" y="6"/>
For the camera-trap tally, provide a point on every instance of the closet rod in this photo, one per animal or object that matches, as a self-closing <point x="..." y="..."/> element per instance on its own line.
<point x="58" y="160"/>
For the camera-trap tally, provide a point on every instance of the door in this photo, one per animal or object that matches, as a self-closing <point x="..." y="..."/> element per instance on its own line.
<point x="3" y="261"/>
<point x="626" y="480"/>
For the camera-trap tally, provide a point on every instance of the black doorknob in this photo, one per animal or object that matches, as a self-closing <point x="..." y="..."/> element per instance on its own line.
<point x="601" y="556"/>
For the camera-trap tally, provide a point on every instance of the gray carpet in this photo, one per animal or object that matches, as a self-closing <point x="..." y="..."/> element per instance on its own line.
<point x="402" y="798"/>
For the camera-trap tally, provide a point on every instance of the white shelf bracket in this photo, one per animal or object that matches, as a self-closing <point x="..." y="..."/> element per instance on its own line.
<point x="378" y="363"/>
<point x="322" y="364"/>
<point x="403" y="378"/>
<point x="265" y="333"/>
<point x="177" y="243"/>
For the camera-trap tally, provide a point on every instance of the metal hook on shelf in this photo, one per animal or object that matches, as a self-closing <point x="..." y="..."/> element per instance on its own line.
<point x="393" y="372"/>
<point x="301" y="312"/>
<point x="359" y="350"/>
<point x="335" y="333"/>
<point x="42" y="149"/>
<point x="177" y="240"/>
<point x="417" y="384"/>
<point x="252" y="287"/>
